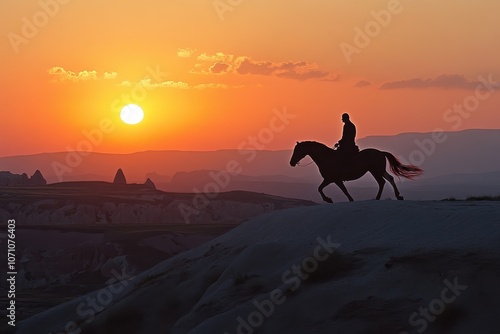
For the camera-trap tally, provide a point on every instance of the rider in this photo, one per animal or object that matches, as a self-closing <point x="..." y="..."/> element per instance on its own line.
<point x="347" y="143"/>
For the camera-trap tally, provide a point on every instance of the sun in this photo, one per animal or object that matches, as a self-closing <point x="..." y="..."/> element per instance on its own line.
<point x="132" y="114"/>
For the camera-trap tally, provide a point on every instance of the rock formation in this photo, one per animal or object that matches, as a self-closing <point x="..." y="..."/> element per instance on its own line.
<point x="9" y="179"/>
<point x="37" y="179"/>
<point x="119" y="177"/>
<point x="149" y="184"/>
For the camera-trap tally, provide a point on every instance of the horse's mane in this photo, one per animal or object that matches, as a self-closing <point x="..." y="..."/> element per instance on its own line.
<point x="315" y="143"/>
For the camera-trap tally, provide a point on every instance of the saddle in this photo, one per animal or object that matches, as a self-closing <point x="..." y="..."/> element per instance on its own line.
<point x="347" y="153"/>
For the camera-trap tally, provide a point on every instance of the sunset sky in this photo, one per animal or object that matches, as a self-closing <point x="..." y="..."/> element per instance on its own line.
<point x="209" y="74"/>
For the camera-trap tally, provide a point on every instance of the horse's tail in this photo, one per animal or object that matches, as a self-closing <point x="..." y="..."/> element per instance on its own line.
<point x="407" y="171"/>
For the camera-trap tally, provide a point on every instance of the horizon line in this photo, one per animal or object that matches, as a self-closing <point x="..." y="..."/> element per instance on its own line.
<point x="233" y="149"/>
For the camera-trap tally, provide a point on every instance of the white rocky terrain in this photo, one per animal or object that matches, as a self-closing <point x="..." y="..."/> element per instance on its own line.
<point x="361" y="267"/>
<point x="73" y="237"/>
<point x="55" y="258"/>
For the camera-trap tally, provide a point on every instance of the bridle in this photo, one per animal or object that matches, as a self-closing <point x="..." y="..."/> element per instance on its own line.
<point x="298" y="164"/>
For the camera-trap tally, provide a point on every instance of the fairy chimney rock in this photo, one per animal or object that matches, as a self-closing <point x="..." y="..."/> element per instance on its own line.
<point x="38" y="179"/>
<point x="149" y="184"/>
<point x="119" y="177"/>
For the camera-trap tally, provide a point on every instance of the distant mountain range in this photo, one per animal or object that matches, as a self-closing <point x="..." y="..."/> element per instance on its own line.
<point x="466" y="158"/>
<point x="468" y="151"/>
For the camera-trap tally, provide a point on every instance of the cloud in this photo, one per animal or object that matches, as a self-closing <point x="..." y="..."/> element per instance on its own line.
<point x="304" y="75"/>
<point x="331" y="77"/>
<point x="126" y="83"/>
<point x="298" y="70"/>
<point x="247" y="66"/>
<point x="185" y="53"/>
<point x="149" y="84"/>
<point x="363" y="83"/>
<point x="61" y="75"/>
<point x="446" y="81"/>
<point x="217" y="63"/>
<point x="219" y="68"/>
<point x="110" y="75"/>
<point x="217" y="57"/>
<point x="213" y="86"/>
<point x="220" y="63"/>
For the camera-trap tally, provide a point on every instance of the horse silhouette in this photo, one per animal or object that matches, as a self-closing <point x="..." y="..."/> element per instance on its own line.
<point x="336" y="168"/>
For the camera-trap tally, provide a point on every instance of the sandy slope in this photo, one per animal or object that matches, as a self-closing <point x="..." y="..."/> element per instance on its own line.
<point x="399" y="267"/>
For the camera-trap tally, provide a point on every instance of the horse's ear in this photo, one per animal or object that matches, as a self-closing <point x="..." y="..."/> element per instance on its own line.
<point x="298" y="142"/>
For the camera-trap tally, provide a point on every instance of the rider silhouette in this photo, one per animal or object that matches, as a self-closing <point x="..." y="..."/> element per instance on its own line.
<point x="346" y="144"/>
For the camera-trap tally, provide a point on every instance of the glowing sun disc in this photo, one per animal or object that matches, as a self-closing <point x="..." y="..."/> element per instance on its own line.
<point x="131" y="114"/>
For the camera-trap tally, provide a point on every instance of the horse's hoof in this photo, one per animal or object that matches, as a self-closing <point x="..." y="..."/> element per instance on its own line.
<point x="328" y="200"/>
<point x="401" y="198"/>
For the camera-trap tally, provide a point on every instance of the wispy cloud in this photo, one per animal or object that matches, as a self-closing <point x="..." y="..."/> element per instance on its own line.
<point x="298" y="70"/>
<point x="248" y="66"/>
<point x="214" y="86"/>
<point x="149" y="84"/>
<point x="445" y="81"/>
<point x="185" y="53"/>
<point x="217" y="63"/>
<point x="331" y="77"/>
<point x="221" y="63"/>
<point x="60" y="75"/>
<point x="217" y="57"/>
<point x="110" y="75"/>
<point x="218" y="68"/>
<point x="363" y="83"/>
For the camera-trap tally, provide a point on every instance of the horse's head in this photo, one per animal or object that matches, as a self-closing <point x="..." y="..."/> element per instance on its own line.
<point x="298" y="154"/>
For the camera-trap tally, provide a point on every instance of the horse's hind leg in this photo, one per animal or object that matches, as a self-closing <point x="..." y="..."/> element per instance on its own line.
<point x="381" y="182"/>
<point x="389" y="178"/>
<point x="342" y="187"/>
<point x="320" y="189"/>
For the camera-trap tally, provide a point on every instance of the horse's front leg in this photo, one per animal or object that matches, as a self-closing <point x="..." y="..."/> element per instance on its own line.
<point x="320" y="189"/>
<point x="342" y="187"/>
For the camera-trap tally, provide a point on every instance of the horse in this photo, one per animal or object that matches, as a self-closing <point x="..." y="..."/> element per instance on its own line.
<point x="331" y="168"/>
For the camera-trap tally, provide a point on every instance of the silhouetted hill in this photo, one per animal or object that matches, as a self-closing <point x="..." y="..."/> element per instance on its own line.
<point x="14" y="180"/>
<point x="468" y="151"/>
<point x="158" y="178"/>
<point x="465" y="152"/>
<point x="141" y="164"/>
<point x="98" y="202"/>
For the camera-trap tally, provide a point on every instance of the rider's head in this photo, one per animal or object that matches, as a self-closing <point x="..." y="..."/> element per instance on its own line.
<point x="345" y="117"/>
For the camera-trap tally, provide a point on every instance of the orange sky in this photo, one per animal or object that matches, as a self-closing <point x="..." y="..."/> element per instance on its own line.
<point x="219" y="71"/>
